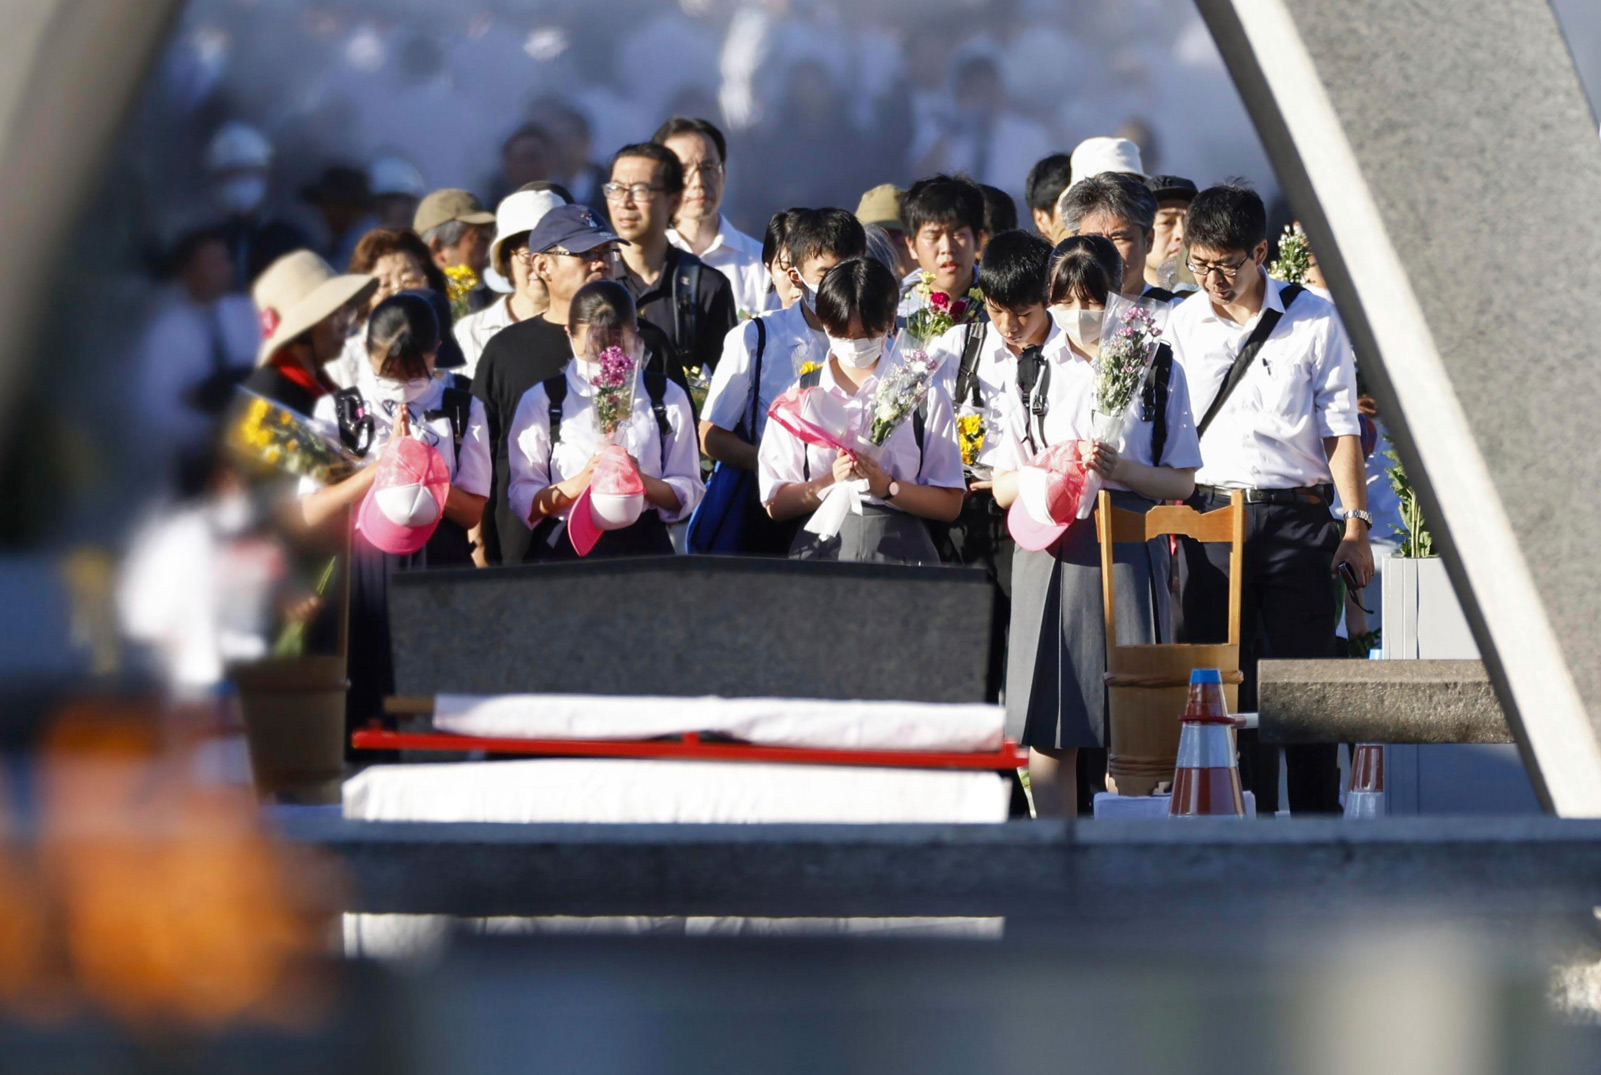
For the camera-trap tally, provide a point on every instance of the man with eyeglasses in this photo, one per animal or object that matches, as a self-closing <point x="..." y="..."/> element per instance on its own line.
<point x="700" y="227"/>
<point x="673" y="289"/>
<point x="566" y="249"/>
<point x="1272" y="383"/>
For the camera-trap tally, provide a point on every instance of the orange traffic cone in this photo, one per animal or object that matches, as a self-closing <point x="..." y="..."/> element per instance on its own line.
<point x="1206" y="780"/>
<point x="1365" y="797"/>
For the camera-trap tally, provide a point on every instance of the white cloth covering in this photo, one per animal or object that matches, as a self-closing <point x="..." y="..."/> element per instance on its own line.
<point x="623" y="791"/>
<point x="786" y="722"/>
<point x="1300" y="389"/>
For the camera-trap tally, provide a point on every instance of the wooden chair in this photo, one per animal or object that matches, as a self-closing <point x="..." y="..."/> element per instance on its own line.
<point x="1149" y="685"/>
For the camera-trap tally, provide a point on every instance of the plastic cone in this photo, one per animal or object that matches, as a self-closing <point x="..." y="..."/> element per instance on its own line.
<point x="1365" y="797"/>
<point x="1206" y="780"/>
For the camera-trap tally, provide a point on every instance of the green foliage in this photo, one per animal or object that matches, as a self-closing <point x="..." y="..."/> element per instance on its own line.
<point x="1416" y="541"/>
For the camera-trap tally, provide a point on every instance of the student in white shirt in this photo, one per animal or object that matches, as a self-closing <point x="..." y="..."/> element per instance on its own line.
<point x="403" y="397"/>
<point x="1288" y="434"/>
<point x="515" y="219"/>
<point x="548" y="474"/>
<point x="915" y="476"/>
<point x="775" y="258"/>
<point x="1056" y="656"/>
<point x="773" y="349"/>
<point x="699" y="225"/>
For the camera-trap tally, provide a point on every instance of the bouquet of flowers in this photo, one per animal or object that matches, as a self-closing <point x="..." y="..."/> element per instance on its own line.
<point x="614" y="390"/>
<point x="1129" y="336"/>
<point x="268" y="436"/>
<point x="1295" y="256"/>
<point x="939" y="312"/>
<point x="802" y="360"/>
<point x="900" y="392"/>
<point x="970" y="434"/>
<point x="460" y="282"/>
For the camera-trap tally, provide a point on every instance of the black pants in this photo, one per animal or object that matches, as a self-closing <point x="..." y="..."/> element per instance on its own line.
<point x="1288" y="610"/>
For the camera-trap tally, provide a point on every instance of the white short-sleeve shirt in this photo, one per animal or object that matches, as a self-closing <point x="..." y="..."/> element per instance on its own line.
<point x="474" y="331"/>
<point x="535" y="463"/>
<point x="429" y="423"/>
<point x="995" y="373"/>
<point x="784" y="458"/>
<point x="790" y="343"/>
<point x="1069" y="386"/>
<point x="1300" y="389"/>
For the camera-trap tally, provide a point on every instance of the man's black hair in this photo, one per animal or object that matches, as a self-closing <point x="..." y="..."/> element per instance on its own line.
<point x="672" y="172"/>
<point x="1229" y="216"/>
<point x="692" y="125"/>
<point x="860" y="286"/>
<point x="1085" y="267"/>
<point x="813" y="232"/>
<point x="1012" y="271"/>
<point x="1117" y="194"/>
<point x="1000" y="211"/>
<point x="1046" y="181"/>
<point x="776" y="239"/>
<point x="954" y="201"/>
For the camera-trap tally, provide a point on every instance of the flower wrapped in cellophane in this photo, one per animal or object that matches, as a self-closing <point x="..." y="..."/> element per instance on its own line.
<point x="900" y="392"/>
<point x="1130" y="335"/>
<point x="1295" y="256"/>
<point x="266" y="436"/>
<point x="972" y="429"/>
<point x="460" y="282"/>
<point x="940" y="312"/>
<point x="614" y="391"/>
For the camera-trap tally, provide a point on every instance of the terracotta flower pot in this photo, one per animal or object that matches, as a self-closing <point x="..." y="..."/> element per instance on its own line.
<point x="294" y="715"/>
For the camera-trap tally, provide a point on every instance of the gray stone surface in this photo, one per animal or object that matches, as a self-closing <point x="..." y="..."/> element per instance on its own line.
<point x="1346" y="701"/>
<point x="696" y="625"/>
<point x="1155" y="871"/>
<point x="1442" y="158"/>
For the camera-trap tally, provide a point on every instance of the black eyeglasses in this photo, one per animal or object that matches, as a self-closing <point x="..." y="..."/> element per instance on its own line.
<point x="1228" y="272"/>
<point x="641" y="192"/>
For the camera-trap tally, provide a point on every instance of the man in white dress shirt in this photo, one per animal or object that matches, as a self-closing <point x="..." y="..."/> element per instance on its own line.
<point x="700" y="227"/>
<point x="1272" y="384"/>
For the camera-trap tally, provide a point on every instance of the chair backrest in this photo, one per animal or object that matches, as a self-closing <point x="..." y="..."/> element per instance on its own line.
<point x="1115" y="526"/>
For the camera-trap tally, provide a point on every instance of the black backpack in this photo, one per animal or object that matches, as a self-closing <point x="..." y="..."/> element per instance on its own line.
<point x="1153" y="398"/>
<point x="655" y="388"/>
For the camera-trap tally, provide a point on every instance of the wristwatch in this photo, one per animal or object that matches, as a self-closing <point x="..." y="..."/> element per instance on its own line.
<point x="1358" y="513"/>
<point x="892" y="491"/>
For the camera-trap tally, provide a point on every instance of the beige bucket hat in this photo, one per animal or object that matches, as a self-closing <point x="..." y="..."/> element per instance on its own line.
<point x="297" y="291"/>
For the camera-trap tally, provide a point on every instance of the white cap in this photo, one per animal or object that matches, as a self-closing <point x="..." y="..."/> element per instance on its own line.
<point x="395" y="175"/>
<point x="518" y="213"/>
<point x="614" y="511"/>
<point x="407" y="505"/>
<point x="1096" y="155"/>
<point x="238" y="145"/>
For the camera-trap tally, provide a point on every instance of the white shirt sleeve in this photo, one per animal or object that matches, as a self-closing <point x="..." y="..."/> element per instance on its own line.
<point x="681" y="468"/>
<point x="326" y="423"/>
<point x="1183" y="451"/>
<point x="728" y="400"/>
<point x="473" y="466"/>
<point x="1334" y="382"/>
<point x="942" y="456"/>
<point x="780" y="461"/>
<point x="528" y="451"/>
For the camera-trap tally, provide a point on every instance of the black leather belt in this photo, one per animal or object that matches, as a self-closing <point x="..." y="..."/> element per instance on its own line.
<point x="1321" y="495"/>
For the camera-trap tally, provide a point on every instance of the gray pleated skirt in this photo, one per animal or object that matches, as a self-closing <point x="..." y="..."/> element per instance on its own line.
<point x="1056" y="655"/>
<point x="878" y="535"/>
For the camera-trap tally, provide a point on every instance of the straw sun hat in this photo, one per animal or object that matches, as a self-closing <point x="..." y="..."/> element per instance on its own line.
<point x="297" y="291"/>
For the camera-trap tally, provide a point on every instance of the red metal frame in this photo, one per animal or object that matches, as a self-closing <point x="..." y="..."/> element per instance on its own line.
<point x="689" y="747"/>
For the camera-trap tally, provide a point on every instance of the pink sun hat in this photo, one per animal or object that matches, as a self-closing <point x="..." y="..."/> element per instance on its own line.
<point x="614" y="500"/>
<point x="1049" y="488"/>
<point x="407" y="499"/>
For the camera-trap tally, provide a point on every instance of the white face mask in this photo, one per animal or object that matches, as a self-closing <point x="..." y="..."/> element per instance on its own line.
<point x="808" y="293"/>
<point x="394" y="391"/>
<point x="857" y="354"/>
<point x="1083" y="327"/>
<point x="242" y="193"/>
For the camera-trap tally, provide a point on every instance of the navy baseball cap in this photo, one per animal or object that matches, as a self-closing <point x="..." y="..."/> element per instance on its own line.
<point x="1171" y="188"/>
<point x="573" y="228"/>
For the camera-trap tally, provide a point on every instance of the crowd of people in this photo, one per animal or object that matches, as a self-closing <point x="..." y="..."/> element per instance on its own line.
<point x="752" y="418"/>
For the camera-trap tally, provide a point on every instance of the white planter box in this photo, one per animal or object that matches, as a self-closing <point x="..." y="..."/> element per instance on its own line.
<point x="1423" y="621"/>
